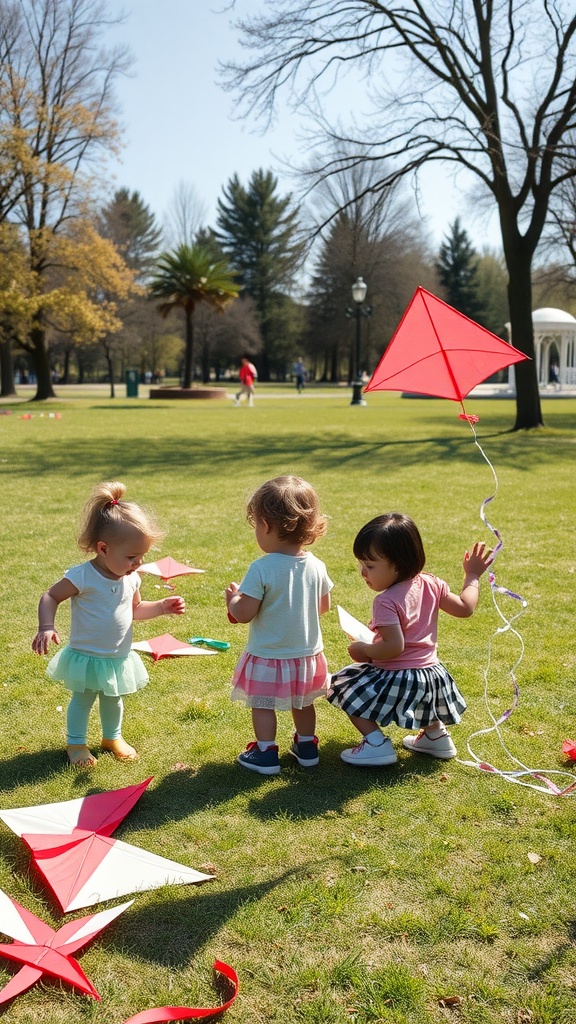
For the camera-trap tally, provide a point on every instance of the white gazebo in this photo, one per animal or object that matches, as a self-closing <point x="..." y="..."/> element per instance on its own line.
<point x="554" y="348"/>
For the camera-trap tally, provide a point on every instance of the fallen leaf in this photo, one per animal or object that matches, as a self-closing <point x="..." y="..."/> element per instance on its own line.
<point x="443" y="777"/>
<point x="450" y="1001"/>
<point x="534" y="858"/>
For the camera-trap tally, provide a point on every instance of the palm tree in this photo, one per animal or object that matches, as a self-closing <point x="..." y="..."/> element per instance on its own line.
<point x="186" y="276"/>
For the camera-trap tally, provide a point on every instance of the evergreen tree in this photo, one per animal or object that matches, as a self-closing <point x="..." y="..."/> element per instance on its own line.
<point x="458" y="272"/>
<point x="258" y="231"/>
<point x="131" y="226"/>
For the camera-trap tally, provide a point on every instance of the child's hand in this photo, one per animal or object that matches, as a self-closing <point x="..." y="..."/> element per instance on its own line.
<point x="173" y="606"/>
<point x="229" y="593"/>
<point x="43" y="639"/>
<point x="357" y="651"/>
<point x="477" y="561"/>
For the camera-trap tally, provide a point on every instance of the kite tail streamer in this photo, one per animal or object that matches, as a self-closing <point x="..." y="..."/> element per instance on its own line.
<point x="518" y="775"/>
<point x="168" y="1013"/>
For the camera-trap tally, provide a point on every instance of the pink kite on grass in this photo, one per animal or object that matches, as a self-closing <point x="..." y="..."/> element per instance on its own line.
<point x="42" y="951"/>
<point x="73" y="849"/>
<point x="167" y="568"/>
<point x="167" y="646"/>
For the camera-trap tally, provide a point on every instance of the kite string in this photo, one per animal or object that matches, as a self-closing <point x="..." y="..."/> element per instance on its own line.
<point x="507" y="626"/>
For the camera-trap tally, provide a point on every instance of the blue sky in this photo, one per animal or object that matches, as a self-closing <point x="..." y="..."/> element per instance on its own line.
<point x="178" y="124"/>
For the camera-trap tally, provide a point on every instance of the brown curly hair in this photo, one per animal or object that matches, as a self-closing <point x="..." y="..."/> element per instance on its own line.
<point x="290" y="506"/>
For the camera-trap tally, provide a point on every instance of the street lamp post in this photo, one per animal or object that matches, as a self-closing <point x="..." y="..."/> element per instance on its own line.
<point x="359" y="289"/>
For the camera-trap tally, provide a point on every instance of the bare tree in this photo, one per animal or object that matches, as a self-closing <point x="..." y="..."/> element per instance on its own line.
<point x="57" y="113"/>
<point x="485" y="85"/>
<point x="186" y="216"/>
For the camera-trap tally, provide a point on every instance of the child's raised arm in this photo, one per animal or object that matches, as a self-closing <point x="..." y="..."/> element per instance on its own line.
<point x="463" y="605"/>
<point x="47" y="608"/>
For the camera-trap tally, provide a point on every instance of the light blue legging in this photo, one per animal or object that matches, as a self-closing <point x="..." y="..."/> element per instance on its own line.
<point x="79" y="708"/>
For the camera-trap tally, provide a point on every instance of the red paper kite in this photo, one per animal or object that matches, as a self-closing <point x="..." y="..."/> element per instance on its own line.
<point x="438" y="351"/>
<point x="167" y="1013"/>
<point x="167" y="568"/>
<point x="167" y="646"/>
<point x="569" y="748"/>
<point x="41" y="950"/>
<point x="72" y="848"/>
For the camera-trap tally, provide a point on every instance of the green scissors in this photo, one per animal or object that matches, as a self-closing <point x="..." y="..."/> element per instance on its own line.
<point x="218" y="645"/>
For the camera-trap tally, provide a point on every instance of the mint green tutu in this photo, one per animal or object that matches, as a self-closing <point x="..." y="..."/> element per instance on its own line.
<point x="113" y="677"/>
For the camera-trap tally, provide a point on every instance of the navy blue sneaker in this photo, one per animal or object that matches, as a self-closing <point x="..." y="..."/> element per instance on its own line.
<point x="305" y="753"/>
<point x="264" y="761"/>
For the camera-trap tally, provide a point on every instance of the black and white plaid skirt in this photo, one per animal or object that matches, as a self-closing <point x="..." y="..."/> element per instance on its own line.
<point x="412" y="697"/>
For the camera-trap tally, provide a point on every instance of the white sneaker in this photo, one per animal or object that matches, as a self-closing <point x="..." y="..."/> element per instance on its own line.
<point x="365" y="754"/>
<point x="442" y="747"/>
<point x="236" y="401"/>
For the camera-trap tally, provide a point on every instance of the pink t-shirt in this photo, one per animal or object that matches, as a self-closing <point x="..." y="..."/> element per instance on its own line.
<point x="413" y="604"/>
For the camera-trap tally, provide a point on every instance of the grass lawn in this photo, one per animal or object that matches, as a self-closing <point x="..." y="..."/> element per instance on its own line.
<point x="402" y="895"/>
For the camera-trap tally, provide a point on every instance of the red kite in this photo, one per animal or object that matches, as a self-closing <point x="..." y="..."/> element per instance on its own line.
<point x="41" y="950"/>
<point x="167" y="568"/>
<point x="167" y="646"/>
<point x="167" y="1013"/>
<point x="438" y="351"/>
<point x="72" y="848"/>
<point x="569" y="748"/>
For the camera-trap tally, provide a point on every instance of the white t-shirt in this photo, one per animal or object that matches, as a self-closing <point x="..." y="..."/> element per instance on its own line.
<point x="288" y="621"/>
<point x="102" y="611"/>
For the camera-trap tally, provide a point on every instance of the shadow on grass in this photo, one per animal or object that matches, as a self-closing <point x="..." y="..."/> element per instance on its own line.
<point x="209" y="454"/>
<point x="170" y="932"/>
<point x="297" y="793"/>
<point x="27" y="767"/>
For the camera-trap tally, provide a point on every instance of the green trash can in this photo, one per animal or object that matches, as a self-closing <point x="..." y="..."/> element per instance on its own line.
<point x="131" y="383"/>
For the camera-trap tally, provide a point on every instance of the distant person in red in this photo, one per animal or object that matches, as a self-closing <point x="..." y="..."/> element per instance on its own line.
<point x="247" y="376"/>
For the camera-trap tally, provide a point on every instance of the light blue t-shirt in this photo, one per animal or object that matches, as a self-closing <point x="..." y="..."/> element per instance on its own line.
<point x="290" y="588"/>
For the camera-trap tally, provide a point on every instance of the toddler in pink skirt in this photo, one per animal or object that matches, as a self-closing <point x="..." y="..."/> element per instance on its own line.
<point x="282" y="596"/>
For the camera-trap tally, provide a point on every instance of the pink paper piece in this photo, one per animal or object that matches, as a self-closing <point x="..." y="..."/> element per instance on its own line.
<point x="167" y="646"/>
<point x="167" y="568"/>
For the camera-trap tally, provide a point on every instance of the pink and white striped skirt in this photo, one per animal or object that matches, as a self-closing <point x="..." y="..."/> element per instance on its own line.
<point x="280" y="683"/>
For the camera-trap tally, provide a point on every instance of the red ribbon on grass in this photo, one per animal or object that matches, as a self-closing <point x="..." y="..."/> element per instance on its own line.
<point x="167" y="1013"/>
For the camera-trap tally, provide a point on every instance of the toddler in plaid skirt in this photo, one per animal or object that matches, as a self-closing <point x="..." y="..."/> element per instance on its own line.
<point x="397" y="677"/>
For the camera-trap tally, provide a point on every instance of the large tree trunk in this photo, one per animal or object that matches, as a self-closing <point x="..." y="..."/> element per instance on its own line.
<point x="189" y="352"/>
<point x="6" y="369"/>
<point x="528" y="409"/>
<point x="39" y="353"/>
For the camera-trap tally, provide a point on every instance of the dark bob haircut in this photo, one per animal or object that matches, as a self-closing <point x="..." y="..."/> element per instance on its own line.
<point x="393" y="536"/>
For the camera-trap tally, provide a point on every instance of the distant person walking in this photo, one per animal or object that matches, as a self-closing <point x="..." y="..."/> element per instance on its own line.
<point x="248" y="375"/>
<point x="299" y="371"/>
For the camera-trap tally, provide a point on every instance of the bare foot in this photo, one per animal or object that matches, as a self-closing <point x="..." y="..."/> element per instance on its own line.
<point x="122" y="751"/>
<point x="79" y="756"/>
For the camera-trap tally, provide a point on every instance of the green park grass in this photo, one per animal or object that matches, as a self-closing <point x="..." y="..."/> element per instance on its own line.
<point x="402" y="895"/>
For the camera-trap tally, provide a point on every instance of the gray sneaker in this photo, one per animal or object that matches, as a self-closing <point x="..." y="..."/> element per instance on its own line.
<point x="442" y="747"/>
